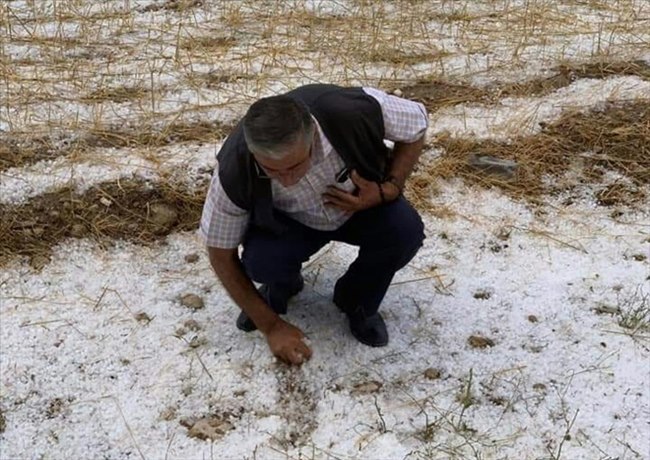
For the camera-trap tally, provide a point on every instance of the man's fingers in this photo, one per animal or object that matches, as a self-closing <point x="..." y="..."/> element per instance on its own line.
<point x="305" y="350"/>
<point x="358" y="180"/>
<point x="341" y="199"/>
<point x="297" y="354"/>
<point x="339" y="203"/>
<point x="337" y="192"/>
<point x="296" y="357"/>
<point x="336" y="202"/>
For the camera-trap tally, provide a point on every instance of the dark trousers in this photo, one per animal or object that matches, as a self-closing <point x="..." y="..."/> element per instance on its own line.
<point x="388" y="237"/>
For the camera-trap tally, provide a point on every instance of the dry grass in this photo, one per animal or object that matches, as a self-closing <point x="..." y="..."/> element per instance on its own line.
<point x="589" y="145"/>
<point x="64" y="67"/>
<point x="613" y="139"/>
<point x="129" y="210"/>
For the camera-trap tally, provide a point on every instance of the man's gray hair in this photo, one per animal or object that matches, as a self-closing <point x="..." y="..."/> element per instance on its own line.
<point x="274" y="123"/>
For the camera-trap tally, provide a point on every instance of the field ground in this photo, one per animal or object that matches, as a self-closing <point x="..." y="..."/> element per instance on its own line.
<point x="520" y="331"/>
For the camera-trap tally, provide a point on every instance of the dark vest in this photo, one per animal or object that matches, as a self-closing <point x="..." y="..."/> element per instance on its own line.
<point x="350" y="119"/>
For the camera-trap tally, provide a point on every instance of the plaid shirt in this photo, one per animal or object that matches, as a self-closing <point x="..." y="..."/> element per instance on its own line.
<point x="223" y="224"/>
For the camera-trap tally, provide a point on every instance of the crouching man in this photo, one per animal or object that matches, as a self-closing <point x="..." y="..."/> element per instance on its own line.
<point x="298" y="171"/>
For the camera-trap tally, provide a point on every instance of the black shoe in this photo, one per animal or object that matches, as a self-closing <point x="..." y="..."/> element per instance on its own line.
<point x="277" y="299"/>
<point x="369" y="330"/>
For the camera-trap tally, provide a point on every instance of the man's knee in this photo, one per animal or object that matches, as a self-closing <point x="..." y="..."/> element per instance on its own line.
<point x="266" y="262"/>
<point x="405" y="229"/>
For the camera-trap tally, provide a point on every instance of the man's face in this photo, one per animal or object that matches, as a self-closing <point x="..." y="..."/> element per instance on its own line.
<point x="292" y="167"/>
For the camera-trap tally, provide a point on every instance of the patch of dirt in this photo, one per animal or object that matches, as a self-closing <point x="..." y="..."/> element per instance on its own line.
<point x="172" y="133"/>
<point x="618" y="193"/>
<point x="614" y="138"/>
<point x="533" y="319"/>
<point x="143" y="317"/>
<point x="435" y="93"/>
<point x="604" y="69"/>
<point x="171" y="5"/>
<point x="483" y="294"/>
<point x="402" y="57"/>
<point x="16" y="150"/>
<point x="192" y="301"/>
<point x="192" y="325"/>
<point x="21" y="149"/>
<point x="364" y="388"/>
<point x="213" y="426"/>
<point x="297" y="404"/>
<point x="215" y="80"/>
<point x="3" y="421"/>
<point x="191" y="258"/>
<point x="117" y="95"/>
<point x="56" y="407"/>
<point x="477" y="341"/>
<point x="125" y="210"/>
<point x="432" y="374"/>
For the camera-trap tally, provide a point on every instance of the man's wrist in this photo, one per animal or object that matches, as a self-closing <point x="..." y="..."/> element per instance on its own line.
<point x="269" y="323"/>
<point x="391" y="190"/>
<point x="399" y="184"/>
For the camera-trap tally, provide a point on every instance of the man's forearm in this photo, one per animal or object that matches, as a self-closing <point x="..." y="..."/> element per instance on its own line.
<point x="227" y="266"/>
<point x="405" y="157"/>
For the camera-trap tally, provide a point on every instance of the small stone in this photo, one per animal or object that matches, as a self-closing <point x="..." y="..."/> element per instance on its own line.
<point x="26" y="223"/>
<point x="78" y="230"/>
<point x="187" y="422"/>
<point x="477" y="341"/>
<point x="168" y="414"/>
<point x="398" y="92"/>
<point x="192" y="325"/>
<point x="55" y="408"/>
<point x="539" y="387"/>
<point x="212" y="428"/>
<point x="192" y="301"/>
<point x="637" y="257"/>
<point x="432" y="374"/>
<point x="105" y="201"/>
<point x="239" y="393"/>
<point x="38" y="262"/>
<point x="482" y="294"/>
<point x="191" y="258"/>
<point x="197" y="341"/>
<point x="533" y="319"/>
<point x="606" y="310"/>
<point x="492" y="165"/>
<point x="366" y="388"/>
<point x="142" y="317"/>
<point x="187" y="390"/>
<point x="163" y="216"/>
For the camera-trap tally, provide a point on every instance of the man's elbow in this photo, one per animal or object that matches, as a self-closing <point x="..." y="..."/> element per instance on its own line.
<point x="221" y="257"/>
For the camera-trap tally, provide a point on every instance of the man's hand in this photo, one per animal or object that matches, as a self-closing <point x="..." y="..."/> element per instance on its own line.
<point x="366" y="196"/>
<point x="286" y="342"/>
